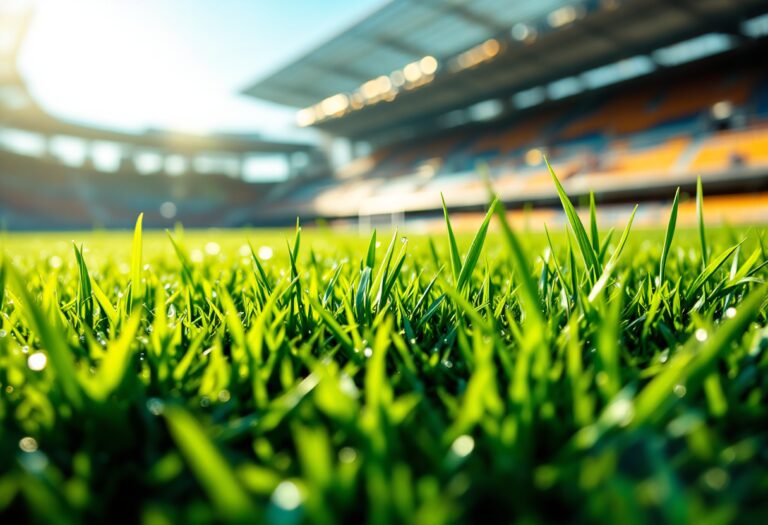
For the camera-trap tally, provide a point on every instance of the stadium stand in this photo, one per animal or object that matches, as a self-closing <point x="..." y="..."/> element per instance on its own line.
<point x="626" y="98"/>
<point x="629" y="98"/>
<point x="51" y="176"/>
<point x="636" y="137"/>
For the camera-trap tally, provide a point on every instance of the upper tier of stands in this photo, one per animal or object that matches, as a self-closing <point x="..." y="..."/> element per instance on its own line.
<point x="669" y="130"/>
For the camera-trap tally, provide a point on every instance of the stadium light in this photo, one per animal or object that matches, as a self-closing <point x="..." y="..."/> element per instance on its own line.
<point x="534" y="157"/>
<point x="412" y="72"/>
<point x="384" y="84"/>
<point x="357" y="101"/>
<point x="522" y="32"/>
<point x="335" y="105"/>
<point x="381" y="88"/>
<point x="398" y="78"/>
<point x="722" y="110"/>
<point x="428" y="65"/>
<point x="491" y="48"/>
<point x="477" y="55"/>
<point x="563" y="16"/>
<point x="305" y="117"/>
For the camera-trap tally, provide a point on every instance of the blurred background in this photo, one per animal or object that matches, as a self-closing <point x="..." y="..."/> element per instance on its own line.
<point x="358" y="113"/>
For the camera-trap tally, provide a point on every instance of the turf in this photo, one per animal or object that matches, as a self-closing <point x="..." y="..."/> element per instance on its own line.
<point x="581" y="376"/>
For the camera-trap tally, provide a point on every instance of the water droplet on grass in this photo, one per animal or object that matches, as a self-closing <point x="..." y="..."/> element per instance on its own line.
<point x="347" y="455"/>
<point x="287" y="496"/>
<point x="37" y="361"/>
<point x="716" y="478"/>
<point x="155" y="406"/>
<point x="212" y="248"/>
<point x="701" y="335"/>
<point x="463" y="446"/>
<point x="28" y="444"/>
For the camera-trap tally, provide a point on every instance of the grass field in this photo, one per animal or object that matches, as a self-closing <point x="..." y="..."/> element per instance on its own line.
<point x="580" y="377"/>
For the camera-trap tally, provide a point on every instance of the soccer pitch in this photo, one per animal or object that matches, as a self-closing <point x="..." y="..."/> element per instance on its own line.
<point x="308" y="377"/>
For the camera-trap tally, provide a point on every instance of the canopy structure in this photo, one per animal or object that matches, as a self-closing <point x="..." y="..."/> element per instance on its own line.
<point x="400" y="32"/>
<point x="546" y="45"/>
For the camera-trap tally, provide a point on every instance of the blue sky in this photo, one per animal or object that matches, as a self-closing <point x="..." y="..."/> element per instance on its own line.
<point x="179" y="64"/>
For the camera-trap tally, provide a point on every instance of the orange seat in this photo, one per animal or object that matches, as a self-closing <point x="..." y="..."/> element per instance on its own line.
<point x="719" y="151"/>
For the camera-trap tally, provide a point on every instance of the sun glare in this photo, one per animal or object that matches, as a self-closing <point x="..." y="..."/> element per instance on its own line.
<point x="94" y="57"/>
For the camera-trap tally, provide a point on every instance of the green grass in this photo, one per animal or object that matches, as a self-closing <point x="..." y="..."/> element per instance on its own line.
<point x="574" y="377"/>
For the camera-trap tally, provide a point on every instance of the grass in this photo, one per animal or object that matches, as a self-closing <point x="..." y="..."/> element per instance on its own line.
<point x="574" y="377"/>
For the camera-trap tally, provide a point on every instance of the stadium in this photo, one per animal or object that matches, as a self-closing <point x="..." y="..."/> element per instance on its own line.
<point x="622" y="113"/>
<point x="508" y="265"/>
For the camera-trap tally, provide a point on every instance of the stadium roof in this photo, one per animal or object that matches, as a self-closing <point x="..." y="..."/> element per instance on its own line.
<point x="400" y="32"/>
<point x="545" y="45"/>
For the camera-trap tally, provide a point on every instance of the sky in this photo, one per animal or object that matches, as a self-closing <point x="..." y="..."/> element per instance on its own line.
<point x="174" y="64"/>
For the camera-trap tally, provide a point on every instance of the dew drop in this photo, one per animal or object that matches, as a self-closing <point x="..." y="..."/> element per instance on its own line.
<point x="347" y="455"/>
<point x="463" y="446"/>
<point x="701" y="335"/>
<point x="37" y="361"/>
<point x="287" y="496"/>
<point x="155" y="406"/>
<point x="28" y="444"/>
<point x="679" y="390"/>
<point x="212" y="248"/>
<point x="716" y="478"/>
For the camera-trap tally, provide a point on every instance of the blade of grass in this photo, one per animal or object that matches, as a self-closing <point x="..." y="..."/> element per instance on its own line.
<point x="210" y="468"/>
<point x="700" y="219"/>
<point x="45" y="325"/>
<point x="473" y="255"/>
<point x="454" y="250"/>
<point x="593" y="223"/>
<point x="668" y="237"/>
<point x="692" y="365"/>
<point x="137" y="286"/>
<point x="588" y="253"/>
<point x="84" y="298"/>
